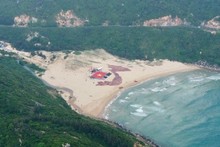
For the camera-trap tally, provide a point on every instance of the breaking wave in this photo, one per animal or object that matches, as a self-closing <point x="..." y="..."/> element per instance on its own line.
<point x="178" y="110"/>
<point x="127" y="98"/>
<point x="130" y="93"/>
<point x="122" y="101"/>
<point x="170" y="81"/>
<point x="135" y="105"/>
<point x="157" y="103"/>
<point x="140" y="114"/>
<point x="214" y="77"/>
<point x="158" y="89"/>
<point x="196" y="79"/>
<point x="140" y="110"/>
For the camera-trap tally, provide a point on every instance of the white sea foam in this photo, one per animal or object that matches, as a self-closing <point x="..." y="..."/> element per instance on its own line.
<point x="135" y="105"/>
<point x="196" y="79"/>
<point x="127" y="123"/>
<point x="158" y="89"/>
<point x="109" y="104"/>
<point x="214" y="77"/>
<point x="130" y="93"/>
<point x="127" y="98"/>
<point x="170" y="81"/>
<point x="114" y="110"/>
<point x="163" y="89"/>
<point x="140" y="110"/>
<point x="157" y="83"/>
<point x="157" y="103"/>
<point x="122" y="101"/>
<point x="155" y="109"/>
<point x="181" y="109"/>
<point x="139" y="114"/>
<point x="106" y="116"/>
<point x="144" y="91"/>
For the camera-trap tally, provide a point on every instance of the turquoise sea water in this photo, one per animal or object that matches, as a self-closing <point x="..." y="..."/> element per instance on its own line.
<point x="181" y="110"/>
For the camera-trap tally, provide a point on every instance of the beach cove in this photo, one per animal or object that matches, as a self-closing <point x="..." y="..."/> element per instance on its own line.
<point x="93" y="95"/>
<point x="90" y="96"/>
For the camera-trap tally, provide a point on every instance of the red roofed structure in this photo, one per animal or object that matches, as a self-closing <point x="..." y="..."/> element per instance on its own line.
<point x="99" y="75"/>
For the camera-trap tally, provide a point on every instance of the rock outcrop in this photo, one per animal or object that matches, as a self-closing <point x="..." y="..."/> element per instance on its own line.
<point x="106" y="23"/>
<point x="69" y="19"/>
<point x="24" y="20"/>
<point x="164" y="21"/>
<point x="213" y="23"/>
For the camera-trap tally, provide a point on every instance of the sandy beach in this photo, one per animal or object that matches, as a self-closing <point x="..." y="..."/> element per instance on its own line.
<point x="71" y="73"/>
<point x="91" y="97"/>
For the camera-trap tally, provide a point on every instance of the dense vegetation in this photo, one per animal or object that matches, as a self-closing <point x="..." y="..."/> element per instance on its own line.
<point x="32" y="114"/>
<point x="117" y="12"/>
<point x="175" y="43"/>
<point x="186" y="44"/>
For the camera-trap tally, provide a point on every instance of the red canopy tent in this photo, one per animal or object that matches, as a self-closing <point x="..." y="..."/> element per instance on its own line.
<point x="98" y="75"/>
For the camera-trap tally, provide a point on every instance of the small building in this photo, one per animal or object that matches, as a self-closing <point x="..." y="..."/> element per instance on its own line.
<point x="96" y="69"/>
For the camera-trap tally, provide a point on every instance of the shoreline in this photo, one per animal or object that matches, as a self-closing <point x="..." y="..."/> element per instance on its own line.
<point x="117" y="92"/>
<point x="82" y="94"/>
<point x="89" y="97"/>
<point x="70" y="74"/>
<point x="146" y="140"/>
<point x="112" y="97"/>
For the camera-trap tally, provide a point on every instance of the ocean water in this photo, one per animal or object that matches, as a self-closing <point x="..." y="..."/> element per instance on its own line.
<point x="180" y="110"/>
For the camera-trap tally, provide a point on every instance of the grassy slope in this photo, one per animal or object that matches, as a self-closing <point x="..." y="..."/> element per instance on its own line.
<point x="28" y="112"/>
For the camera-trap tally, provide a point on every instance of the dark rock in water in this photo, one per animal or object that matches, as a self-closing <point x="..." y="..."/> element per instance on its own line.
<point x="206" y="65"/>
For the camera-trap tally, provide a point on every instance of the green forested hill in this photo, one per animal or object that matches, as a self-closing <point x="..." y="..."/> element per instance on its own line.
<point x="117" y="12"/>
<point x="175" y="43"/>
<point x="32" y="114"/>
<point x="185" y="43"/>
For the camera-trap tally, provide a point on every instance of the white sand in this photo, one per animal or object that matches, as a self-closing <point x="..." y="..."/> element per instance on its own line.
<point x="73" y="72"/>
